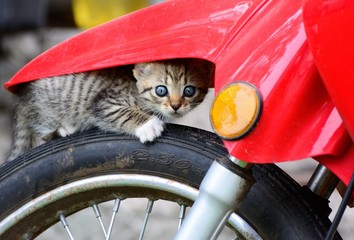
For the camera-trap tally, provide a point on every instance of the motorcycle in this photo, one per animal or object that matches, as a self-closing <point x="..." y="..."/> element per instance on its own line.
<point x="283" y="73"/>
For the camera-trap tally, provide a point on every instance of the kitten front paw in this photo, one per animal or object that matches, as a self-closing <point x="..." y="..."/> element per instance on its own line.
<point x="150" y="130"/>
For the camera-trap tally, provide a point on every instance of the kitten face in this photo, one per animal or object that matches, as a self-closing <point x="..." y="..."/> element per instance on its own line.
<point x="172" y="89"/>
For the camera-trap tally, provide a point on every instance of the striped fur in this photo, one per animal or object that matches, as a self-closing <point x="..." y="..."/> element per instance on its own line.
<point x="119" y="99"/>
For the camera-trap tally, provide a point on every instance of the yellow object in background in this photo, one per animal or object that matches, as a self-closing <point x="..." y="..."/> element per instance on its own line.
<point x="90" y="13"/>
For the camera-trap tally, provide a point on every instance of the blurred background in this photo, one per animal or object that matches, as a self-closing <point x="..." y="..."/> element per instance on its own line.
<point x="29" y="27"/>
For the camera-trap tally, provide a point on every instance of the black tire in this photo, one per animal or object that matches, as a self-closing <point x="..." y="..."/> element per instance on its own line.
<point x="275" y="206"/>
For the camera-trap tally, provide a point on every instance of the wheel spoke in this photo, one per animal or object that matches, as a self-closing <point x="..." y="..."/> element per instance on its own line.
<point x="66" y="225"/>
<point x="147" y="214"/>
<point x="99" y="217"/>
<point x="181" y="214"/>
<point x="114" y="214"/>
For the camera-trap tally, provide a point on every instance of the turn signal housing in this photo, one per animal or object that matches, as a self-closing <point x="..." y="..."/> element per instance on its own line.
<point x="236" y="110"/>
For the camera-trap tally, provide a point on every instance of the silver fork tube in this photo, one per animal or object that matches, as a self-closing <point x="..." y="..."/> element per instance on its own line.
<point x="220" y="193"/>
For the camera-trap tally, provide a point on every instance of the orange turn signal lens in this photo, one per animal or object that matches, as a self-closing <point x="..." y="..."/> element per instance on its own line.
<point x="235" y="110"/>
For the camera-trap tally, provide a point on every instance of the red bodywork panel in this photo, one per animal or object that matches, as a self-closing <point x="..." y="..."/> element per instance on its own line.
<point x="330" y="30"/>
<point x="262" y="42"/>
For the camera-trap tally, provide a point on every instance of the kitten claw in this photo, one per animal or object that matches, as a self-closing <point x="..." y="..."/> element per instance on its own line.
<point x="150" y="130"/>
<point x="66" y="130"/>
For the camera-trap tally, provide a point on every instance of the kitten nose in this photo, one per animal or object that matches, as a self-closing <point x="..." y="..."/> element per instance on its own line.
<point x="176" y="106"/>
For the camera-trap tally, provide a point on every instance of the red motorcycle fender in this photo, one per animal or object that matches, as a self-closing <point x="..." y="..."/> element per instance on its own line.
<point x="173" y="29"/>
<point x="262" y="42"/>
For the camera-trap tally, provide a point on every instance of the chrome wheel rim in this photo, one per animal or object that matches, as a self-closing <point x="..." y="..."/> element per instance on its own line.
<point x="171" y="187"/>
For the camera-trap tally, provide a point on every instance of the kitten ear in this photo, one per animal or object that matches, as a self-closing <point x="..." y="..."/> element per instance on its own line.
<point x="142" y="69"/>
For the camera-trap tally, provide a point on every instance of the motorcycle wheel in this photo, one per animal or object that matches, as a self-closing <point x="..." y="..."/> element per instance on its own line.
<point x="66" y="175"/>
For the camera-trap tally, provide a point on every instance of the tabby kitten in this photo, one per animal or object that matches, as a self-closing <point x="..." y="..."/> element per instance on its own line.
<point x="135" y="100"/>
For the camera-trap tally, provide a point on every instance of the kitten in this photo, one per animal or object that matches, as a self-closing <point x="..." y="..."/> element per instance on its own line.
<point x="135" y="100"/>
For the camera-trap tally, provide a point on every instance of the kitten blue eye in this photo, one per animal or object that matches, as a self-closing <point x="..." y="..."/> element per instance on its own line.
<point x="161" y="91"/>
<point x="189" y="91"/>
